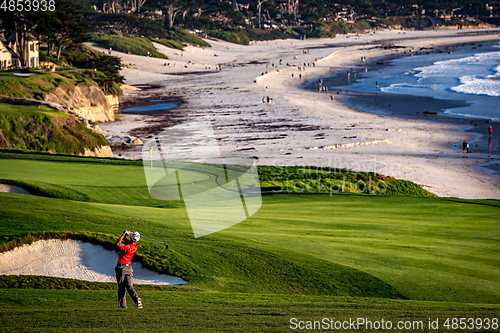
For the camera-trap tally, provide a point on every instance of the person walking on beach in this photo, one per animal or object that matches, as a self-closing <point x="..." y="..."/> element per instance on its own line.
<point x="464" y="146"/>
<point x="490" y="130"/>
<point x="332" y="97"/>
<point x="123" y="270"/>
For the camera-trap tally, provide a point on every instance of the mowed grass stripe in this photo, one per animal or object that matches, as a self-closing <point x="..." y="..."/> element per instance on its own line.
<point x="96" y="311"/>
<point x="80" y="174"/>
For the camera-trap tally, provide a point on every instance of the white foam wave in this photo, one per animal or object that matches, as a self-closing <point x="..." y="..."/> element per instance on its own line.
<point x="423" y="90"/>
<point x="477" y="86"/>
<point x="485" y="66"/>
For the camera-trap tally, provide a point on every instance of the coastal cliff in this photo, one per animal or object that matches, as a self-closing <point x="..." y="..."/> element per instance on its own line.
<point x="85" y="100"/>
<point x="78" y="103"/>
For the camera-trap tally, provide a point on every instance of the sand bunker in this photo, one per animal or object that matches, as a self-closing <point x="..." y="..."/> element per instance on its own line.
<point x="73" y="259"/>
<point x="13" y="189"/>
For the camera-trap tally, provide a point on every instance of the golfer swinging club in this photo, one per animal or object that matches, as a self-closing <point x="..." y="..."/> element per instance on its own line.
<point x="124" y="272"/>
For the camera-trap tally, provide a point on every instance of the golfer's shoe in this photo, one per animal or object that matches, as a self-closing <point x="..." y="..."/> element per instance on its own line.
<point x="139" y="303"/>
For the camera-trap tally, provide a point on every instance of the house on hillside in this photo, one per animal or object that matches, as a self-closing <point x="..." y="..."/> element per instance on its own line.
<point x="10" y="52"/>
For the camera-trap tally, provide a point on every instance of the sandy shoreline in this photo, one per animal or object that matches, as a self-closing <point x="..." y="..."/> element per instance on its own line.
<point x="427" y="109"/>
<point x="285" y="131"/>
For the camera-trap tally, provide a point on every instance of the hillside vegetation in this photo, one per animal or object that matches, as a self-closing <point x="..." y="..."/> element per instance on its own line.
<point x="126" y="44"/>
<point x="32" y="86"/>
<point x="276" y="19"/>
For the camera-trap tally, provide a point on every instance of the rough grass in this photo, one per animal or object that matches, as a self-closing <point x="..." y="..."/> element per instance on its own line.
<point x="308" y="180"/>
<point x="264" y="34"/>
<point x="339" y="28"/>
<point x="170" y="43"/>
<point x="48" y="190"/>
<point x="44" y="129"/>
<point x="134" y="45"/>
<point x="31" y="86"/>
<point x="182" y="36"/>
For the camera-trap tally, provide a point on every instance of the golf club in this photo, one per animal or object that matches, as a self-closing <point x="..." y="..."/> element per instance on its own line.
<point x="155" y="241"/>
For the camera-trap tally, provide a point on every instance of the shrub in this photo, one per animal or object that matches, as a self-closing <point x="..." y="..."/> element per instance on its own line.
<point x="134" y="45"/>
<point x="231" y="37"/>
<point x="42" y="56"/>
<point x="180" y="35"/>
<point x="114" y="89"/>
<point x="170" y="43"/>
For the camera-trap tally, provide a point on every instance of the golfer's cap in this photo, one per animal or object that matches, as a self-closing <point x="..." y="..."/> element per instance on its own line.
<point x="135" y="236"/>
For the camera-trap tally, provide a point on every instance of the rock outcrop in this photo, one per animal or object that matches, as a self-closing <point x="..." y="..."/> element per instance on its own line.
<point x="116" y="139"/>
<point x="86" y="101"/>
<point x="103" y="151"/>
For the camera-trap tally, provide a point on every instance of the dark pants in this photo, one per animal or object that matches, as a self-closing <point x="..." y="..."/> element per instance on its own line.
<point x="125" y="279"/>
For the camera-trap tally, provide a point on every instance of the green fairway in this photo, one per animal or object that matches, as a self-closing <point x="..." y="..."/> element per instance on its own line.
<point x="303" y="256"/>
<point x="448" y="248"/>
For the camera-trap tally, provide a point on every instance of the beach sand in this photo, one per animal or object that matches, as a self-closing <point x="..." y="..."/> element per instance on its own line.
<point x="296" y="125"/>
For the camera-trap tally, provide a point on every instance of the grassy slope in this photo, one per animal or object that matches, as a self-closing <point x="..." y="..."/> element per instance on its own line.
<point x="394" y="238"/>
<point x="180" y="35"/>
<point x="232" y="37"/>
<point x="29" y="87"/>
<point x="428" y="248"/>
<point x="134" y="45"/>
<point x="130" y="188"/>
<point x="212" y="263"/>
<point x="44" y="129"/>
<point x="100" y="22"/>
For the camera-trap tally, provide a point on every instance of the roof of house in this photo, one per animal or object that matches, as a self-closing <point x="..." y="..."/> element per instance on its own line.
<point x="12" y="37"/>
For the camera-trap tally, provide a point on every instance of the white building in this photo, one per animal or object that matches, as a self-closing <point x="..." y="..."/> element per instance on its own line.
<point x="9" y="55"/>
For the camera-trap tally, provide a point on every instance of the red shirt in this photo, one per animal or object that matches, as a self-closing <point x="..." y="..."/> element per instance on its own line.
<point x="127" y="252"/>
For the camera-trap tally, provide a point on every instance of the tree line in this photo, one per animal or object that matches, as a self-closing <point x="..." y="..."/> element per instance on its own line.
<point x="287" y="12"/>
<point x="58" y="29"/>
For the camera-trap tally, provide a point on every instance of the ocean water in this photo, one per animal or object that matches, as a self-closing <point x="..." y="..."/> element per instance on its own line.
<point x="468" y="75"/>
<point x="152" y="106"/>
